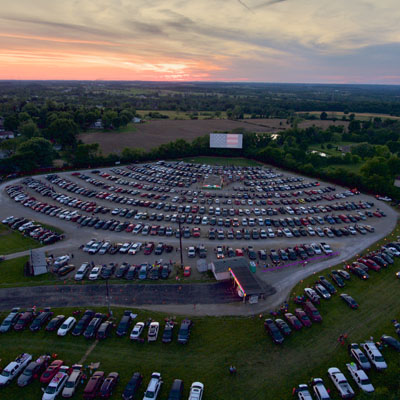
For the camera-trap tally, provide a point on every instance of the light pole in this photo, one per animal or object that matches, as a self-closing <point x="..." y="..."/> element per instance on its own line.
<point x="180" y="240"/>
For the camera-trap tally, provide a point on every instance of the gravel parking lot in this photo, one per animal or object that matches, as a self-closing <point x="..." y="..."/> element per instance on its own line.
<point x="249" y="196"/>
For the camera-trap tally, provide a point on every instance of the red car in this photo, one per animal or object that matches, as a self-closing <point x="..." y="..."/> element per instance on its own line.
<point x="293" y="321"/>
<point x="303" y="317"/>
<point x="108" y="385"/>
<point x="93" y="386"/>
<point x="187" y="271"/>
<point x="312" y="311"/>
<point x="196" y="232"/>
<point x="370" y="264"/>
<point x="51" y="371"/>
<point x="148" y="248"/>
<point x="130" y="228"/>
<point x="24" y="320"/>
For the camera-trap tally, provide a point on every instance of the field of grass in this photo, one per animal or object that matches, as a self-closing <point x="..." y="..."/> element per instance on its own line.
<point x="172" y="114"/>
<point x="242" y="162"/>
<point x="265" y="371"/>
<point x="14" y="241"/>
<point x="359" y="116"/>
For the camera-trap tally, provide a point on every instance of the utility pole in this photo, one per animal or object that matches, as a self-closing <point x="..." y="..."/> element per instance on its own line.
<point x="180" y="240"/>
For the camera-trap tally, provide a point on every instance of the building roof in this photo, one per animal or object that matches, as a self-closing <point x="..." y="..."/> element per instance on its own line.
<point x="38" y="262"/>
<point x="239" y="268"/>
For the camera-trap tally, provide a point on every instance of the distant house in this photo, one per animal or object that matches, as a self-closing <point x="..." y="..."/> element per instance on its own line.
<point x="4" y="135"/>
<point x="136" y="120"/>
<point x="97" y="125"/>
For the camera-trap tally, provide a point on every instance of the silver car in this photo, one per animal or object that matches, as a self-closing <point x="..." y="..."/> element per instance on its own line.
<point x="73" y="381"/>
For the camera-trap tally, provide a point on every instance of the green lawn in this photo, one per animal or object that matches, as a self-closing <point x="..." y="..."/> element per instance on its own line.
<point x="14" y="241"/>
<point x="265" y="371"/>
<point x="237" y="161"/>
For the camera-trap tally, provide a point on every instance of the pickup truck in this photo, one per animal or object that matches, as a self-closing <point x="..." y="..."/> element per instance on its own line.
<point x="14" y="368"/>
<point x="341" y="383"/>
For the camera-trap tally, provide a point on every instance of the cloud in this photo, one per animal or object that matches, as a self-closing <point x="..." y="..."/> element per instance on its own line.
<point x="284" y="40"/>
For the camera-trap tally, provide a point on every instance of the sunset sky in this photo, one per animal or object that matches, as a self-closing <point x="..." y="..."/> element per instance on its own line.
<point x="340" y="41"/>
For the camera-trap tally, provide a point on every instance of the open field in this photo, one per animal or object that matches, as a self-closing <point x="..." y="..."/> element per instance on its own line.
<point x="154" y="133"/>
<point x="184" y="114"/>
<point x="14" y="241"/>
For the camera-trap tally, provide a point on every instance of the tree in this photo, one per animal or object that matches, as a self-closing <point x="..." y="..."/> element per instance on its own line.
<point x="11" y="122"/>
<point x="29" y="129"/>
<point x="323" y="116"/>
<point x="63" y="131"/>
<point x="85" y="154"/>
<point x="38" y="150"/>
<point x="108" y="117"/>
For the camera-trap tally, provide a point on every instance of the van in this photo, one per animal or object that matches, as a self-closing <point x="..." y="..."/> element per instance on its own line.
<point x="176" y="391"/>
<point x="82" y="271"/>
<point x="319" y="389"/>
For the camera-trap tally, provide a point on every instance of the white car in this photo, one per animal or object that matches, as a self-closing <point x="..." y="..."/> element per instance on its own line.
<point x="88" y="245"/>
<point x="287" y="232"/>
<point x="152" y="333"/>
<point x="196" y="391"/>
<point x="341" y="383"/>
<point x="374" y="355"/>
<point x="154" y="386"/>
<point x="137" y="228"/>
<point x="95" y="272"/>
<point x="394" y="251"/>
<point x="135" y="248"/>
<point x="82" y="271"/>
<point x="95" y="247"/>
<point x="326" y="248"/>
<point x="14" y="368"/>
<point x="316" y="248"/>
<point x="322" y="292"/>
<point x="312" y="295"/>
<point x="360" y="377"/>
<point x="311" y="231"/>
<point x="73" y="381"/>
<point x="66" y="326"/>
<point x="125" y="247"/>
<point x="137" y="331"/>
<point x="191" y="251"/>
<point x="319" y="389"/>
<point x="56" y="385"/>
<point x="61" y="261"/>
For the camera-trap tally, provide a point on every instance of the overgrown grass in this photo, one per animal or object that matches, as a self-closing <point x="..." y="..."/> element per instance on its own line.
<point x="14" y="241"/>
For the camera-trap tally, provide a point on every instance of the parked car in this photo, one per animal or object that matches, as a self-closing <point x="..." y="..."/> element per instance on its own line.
<point x="23" y="320"/>
<point x="124" y="324"/>
<point x="41" y="319"/>
<point x="104" y="330"/>
<point x="152" y="333"/>
<point x="57" y="384"/>
<point x="10" y="320"/>
<point x="176" y="391"/>
<point x="374" y="355"/>
<point x="73" y="381"/>
<point x="293" y="321"/>
<point x="349" y="301"/>
<point x="14" y="368"/>
<point x="360" y="378"/>
<point x="358" y="355"/>
<point x="93" y="326"/>
<point x="312" y="295"/>
<point x="67" y="325"/>
<point x="273" y="330"/>
<point x="55" y="323"/>
<point x="132" y="387"/>
<point x="137" y="331"/>
<point x="312" y="311"/>
<point x="196" y="391"/>
<point x="51" y="371"/>
<point x="168" y="331"/>
<point x="93" y="386"/>
<point x="341" y="383"/>
<point x="107" y="387"/>
<point x="319" y="389"/>
<point x="33" y="370"/>
<point x="303" y="392"/>
<point x="83" y="323"/>
<point x="303" y="317"/>
<point x="322" y="292"/>
<point x="391" y="341"/>
<point x="82" y="271"/>
<point x="184" y="331"/>
<point x="283" y="327"/>
<point x="154" y="386"/>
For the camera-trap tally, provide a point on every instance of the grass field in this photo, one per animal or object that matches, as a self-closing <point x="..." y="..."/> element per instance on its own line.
<point x="242" y="162"/>
<point x="183" y="114"/>
<point x="265" y="371"/>
<point x="359" y="116"/>
<point x="14" y="241"/>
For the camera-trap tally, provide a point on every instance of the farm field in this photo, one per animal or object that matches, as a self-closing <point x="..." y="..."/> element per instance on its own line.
<point x="156" y="132"/>
<point x="270" y="371"/>
<point x="359" y="116"/>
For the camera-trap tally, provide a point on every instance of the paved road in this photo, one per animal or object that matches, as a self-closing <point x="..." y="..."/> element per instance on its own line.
<point x="128" y="295"/>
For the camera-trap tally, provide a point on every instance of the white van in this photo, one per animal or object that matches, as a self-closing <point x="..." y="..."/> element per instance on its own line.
<point x="82" y="271"/>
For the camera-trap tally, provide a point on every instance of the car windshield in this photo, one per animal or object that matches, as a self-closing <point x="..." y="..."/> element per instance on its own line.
<point x="28" y="372"/>
<point x="6" y="323"/>
<point x="365" y="382"/>
<point x="5" y="373"/>
<point x="69" y="384"/>
<point x="64" y="326"/>
<point x="379" y="359"/>
<point x="50" y="389"/>
<point x="149" y="394"/>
